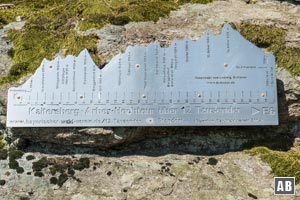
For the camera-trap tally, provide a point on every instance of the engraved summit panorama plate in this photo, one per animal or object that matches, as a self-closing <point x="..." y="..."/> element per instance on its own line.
<point x="215" y="81"/>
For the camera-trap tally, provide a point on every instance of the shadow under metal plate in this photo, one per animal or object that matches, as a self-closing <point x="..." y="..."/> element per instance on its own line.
<point x="215" y="81"/>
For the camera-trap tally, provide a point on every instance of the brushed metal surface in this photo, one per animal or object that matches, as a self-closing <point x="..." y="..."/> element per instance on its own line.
<point x="219" y="80"/>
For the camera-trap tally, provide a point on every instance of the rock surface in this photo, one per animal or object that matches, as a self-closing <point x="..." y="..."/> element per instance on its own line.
<point x="229" y="176"/>
<point x="6" y="47"/>
<point x="151" y="163"/>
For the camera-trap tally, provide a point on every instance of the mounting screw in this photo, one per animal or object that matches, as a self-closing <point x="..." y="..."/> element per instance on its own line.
<point x="150" y="120"/>
<point x="137" y="66"/>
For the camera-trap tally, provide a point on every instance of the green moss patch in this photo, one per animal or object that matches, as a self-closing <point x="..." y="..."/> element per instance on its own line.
<point x="39" y="174"/>
<point x="13" y="155"/>
<point x="2" y="182"/>
<point x="50" y="26"/>
<point x="212" y="161"/>
<point x="40" y="164"/>
<point x="82" y="163"/>
<point x="13" y="164"/>
<point x="71" y="172"/>
<point x="20" y="170"/>
<point x="285" y="164"/>
<point x="60" y="165"/>
<point x="63" y="167"/>
<point x="3" y="154"/>
<point x="273" y="39"/>
<point x="53" y="180"/>
<point x="62" y="179"/>
<point x="30" y="157"/>
<point x="2" y="144"/>
<point x="24" y="198"/>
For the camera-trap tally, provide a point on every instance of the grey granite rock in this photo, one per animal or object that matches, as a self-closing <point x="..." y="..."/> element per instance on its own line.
<point x="151" y="163"/>
<point x="231" y="176"/>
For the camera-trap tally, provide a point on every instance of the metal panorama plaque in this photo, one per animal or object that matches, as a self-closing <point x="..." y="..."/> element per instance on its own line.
<point x="215" y="81"/>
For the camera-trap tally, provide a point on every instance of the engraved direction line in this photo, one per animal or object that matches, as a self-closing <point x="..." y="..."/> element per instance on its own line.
<point x="20" y="104"/>
<point x="20" y="91"/>
<point x="51" y="104"/>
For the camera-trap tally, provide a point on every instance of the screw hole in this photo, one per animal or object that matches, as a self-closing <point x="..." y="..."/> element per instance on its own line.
<point x="225" y="65"/>
<point x="137" y="66"/>
<point x="150" y="120"/>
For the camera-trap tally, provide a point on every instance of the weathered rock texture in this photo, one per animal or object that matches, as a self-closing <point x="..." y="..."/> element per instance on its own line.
<point x="230" y="176"/>
<point x="133" y="174"/>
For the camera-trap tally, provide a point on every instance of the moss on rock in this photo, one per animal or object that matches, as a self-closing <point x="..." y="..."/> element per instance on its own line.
<point x="3" y="154"/>
<point x="62" y="179"/>
<point x="53" y="170"/>
<point x="71" y="172"/>
<point x="2" y="144"/>
<point x="13" y="164"/>
<point x="263" y="36"/>
<point x="273" y="39"/>
<point x="285" y="164"/>
<point x="20" y="170"/>
<point x="15" y="154"/>
<point x="15" y="72"/>
<point x="40" y="164"/>
<point x="81" y="164"/>
<point x="30" y="157"/>
<point x="2" y="182"/>
<point x="48" y="30"/>
<point x="212" y="161"/>
<point x="59" y="164"/>
<point x="53" y="180"/>
<point x="38" y="174"/>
